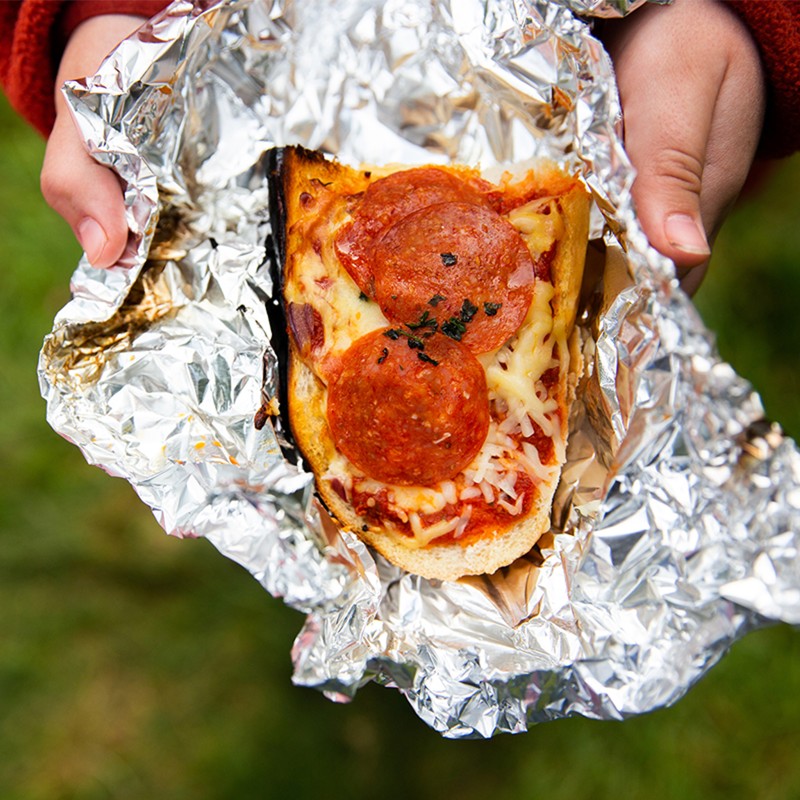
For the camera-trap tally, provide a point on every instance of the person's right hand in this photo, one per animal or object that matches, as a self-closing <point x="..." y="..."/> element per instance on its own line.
<point x="85" y="193"/>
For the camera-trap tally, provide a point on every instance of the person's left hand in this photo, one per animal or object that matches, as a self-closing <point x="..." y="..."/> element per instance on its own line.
<point x="693" y="96"/>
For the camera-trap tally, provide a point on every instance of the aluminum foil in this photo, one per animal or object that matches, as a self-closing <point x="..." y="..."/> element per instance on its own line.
<point x="675" y="526"/>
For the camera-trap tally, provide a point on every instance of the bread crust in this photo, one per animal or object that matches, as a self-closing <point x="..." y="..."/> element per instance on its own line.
<point x="447" y="560"/>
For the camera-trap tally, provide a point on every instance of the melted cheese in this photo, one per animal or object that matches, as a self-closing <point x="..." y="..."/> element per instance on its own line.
<point x="512" y="371"/>
<point x="346" y="314"/>
<point x="539" y="223"/>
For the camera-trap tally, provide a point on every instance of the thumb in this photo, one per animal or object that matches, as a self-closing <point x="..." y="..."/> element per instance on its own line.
<point x="667" y="127"/>
<point x="86" y="194"/>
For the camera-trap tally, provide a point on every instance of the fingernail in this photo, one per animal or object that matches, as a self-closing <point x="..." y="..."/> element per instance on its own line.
<point x="686" y="234"/>
<point x="93" y="239"/>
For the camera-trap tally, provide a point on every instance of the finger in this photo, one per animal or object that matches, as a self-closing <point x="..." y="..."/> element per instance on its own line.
<point x="668" y="93"/>
<point x="666" y="134"/>
<point x="735" y="132"/>
<point x="86" y="194"/>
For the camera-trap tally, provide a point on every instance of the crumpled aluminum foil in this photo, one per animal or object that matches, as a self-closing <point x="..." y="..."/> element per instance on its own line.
<point x="675" y="527"/>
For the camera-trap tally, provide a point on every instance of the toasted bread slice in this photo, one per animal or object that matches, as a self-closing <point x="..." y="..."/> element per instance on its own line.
<point x="495" y="508"/>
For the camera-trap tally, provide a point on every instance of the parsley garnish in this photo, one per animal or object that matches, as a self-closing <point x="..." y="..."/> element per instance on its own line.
<point x="414" y="342"/>
<point x="491" y="308"/>
<point x="435" y="300"/>
<point x="449" y="259"/>
<point x="425" y="321"/>
<point x="383" y="355"/>
<point x="468" y="311"/>
<point x="425" y="357"/>
<point x="454" y="328"/>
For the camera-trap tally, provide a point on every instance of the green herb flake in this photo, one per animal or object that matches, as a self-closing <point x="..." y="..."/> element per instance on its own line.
<point x="435" y="300"/>
<point x="490" y="309"/>
<point x="468" y="311"/>
<point x="427" y="359"/>
<point x="454" y="328"/>
<point x="425" y="321"/>
<point x="449" y="259"/>
<point x="414" y="342"/>
<point x="383" y="355"/>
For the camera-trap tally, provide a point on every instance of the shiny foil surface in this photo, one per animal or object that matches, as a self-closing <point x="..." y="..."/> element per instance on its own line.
<point x="675" y="524"/>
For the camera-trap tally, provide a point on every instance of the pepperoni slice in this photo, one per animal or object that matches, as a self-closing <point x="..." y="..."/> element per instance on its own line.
<point x="388" y="200"/>
<point x="406" y="415"/>
<point x="455" y="252"/>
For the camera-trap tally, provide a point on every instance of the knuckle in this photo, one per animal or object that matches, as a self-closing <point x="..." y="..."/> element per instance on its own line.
<point x="682" y="168"/>
<point x="48" y="185"/>
<point x="53" y="188"/>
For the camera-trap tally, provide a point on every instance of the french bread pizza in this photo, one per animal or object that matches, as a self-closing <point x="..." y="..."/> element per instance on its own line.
<point x="433" y="355"/>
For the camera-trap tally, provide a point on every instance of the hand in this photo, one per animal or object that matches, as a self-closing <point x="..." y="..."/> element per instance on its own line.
<point x="87" y="194"/>
<point x="692" y="93"/>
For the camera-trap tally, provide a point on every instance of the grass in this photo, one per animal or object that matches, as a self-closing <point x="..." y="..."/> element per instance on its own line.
<point x="133" y="665"/>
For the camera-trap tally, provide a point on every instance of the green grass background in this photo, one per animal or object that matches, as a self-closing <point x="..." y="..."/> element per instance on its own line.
<point x="134" y="665"/>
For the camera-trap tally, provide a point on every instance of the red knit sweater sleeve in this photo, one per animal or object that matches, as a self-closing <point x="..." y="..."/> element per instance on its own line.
<point x="775" y="25"/>
<point x="32" y="37"/>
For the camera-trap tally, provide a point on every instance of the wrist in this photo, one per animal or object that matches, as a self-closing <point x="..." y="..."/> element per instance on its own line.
<point x="91" y="41"/>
